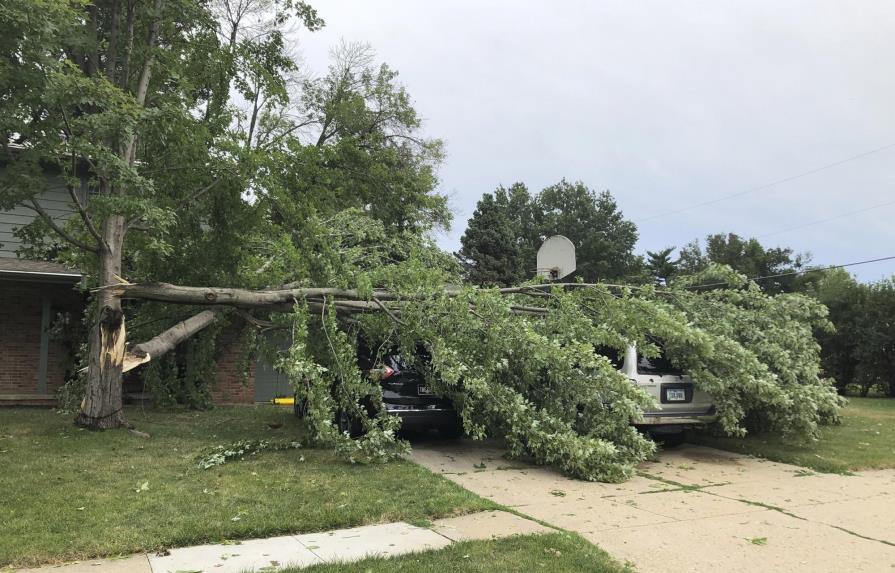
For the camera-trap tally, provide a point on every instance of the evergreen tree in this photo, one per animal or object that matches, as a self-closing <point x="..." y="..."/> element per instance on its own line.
<point x="659" y="264"/>
<point x="494" y="250"/>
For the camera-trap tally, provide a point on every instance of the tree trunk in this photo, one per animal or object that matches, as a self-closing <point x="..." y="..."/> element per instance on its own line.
<point x="169" y="339"/>
<point x="101" y="408"/>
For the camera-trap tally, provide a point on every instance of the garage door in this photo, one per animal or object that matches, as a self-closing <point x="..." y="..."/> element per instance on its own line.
<point x="269" y="383"/>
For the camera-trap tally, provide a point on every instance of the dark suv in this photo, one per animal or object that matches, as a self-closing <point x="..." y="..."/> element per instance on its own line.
<point x="404" y="394"/>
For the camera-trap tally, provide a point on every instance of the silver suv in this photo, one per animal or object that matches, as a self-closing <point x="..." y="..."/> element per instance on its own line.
<point x="681" y="404"/>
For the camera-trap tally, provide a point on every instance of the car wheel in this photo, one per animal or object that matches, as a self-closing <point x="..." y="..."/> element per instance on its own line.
<point x="300" y="407"/>
<point x="345" y="422"/>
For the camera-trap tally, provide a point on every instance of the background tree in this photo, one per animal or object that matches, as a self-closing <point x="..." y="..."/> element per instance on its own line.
<point x="499" y="244"/>
<point x="747" y="256"/>
<point x="506" y="254"/>
<point x="876" y="349"/>
<point x="859" y="353"/>
<point x="604" y="240"/>
<point x="660" y="265"/>
<point x="846" y="300"/>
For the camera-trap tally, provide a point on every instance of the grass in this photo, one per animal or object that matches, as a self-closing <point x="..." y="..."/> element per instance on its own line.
<point x="550" y="553"/>
<point x="864" y="440"/>
<point x="70" y="494"/>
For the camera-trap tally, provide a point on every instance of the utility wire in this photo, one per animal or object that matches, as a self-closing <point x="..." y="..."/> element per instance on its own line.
<point x="818" y="222"/>
<point x="791" y="273"/>
<point x="768" y="185"/>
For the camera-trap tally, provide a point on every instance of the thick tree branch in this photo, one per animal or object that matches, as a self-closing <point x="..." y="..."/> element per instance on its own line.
<point x="286" y="295"/>
<point x="35" y="206"/>
<point x="387" y="310"/>
<point x="169" y="339"/>
<point x="82" y="209"/>
<point x="130" y="149"/>
<point x="124" y="78"/>
<point x="112" y="51"/>
<point x="243" y="298"/>
<point x="346" y="301"/>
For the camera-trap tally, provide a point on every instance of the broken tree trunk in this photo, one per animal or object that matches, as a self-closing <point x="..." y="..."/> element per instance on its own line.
<point x="284" y="297"/>
<point x="101" y="407"/>
<point x="344" y="301"/>
<point x="241" y="298"/>
<point x="169" y="339"/>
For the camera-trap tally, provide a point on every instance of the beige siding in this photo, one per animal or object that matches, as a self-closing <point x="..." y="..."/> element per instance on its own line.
<point x="55" y="201"/>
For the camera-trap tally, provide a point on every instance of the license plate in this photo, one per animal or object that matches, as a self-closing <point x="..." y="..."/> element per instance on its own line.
<point x="423" y="390"/>
<point x="676" y="395"/>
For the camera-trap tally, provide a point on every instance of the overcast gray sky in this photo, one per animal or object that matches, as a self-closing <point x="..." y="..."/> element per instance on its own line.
<point x="665" y="104"/>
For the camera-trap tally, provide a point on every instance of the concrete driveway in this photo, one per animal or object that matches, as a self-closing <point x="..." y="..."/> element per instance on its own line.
<point x="697" y="509"/>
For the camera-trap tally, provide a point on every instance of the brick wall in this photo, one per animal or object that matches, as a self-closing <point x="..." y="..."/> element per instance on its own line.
<point x="21" y="307"/>
<point x="230" y="385"/>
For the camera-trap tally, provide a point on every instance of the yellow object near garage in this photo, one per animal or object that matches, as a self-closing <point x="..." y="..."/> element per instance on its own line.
<point x="282" y="401"/>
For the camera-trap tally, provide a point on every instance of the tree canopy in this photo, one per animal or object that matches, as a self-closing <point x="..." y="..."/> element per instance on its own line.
<point x="508" y="226"/>
<point x="747" y="256"/>
<point x="195" y="150"/>
<point x="859" y="352"/>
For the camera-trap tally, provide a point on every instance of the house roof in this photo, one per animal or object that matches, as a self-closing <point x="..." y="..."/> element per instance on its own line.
<point x="23" y="269"/>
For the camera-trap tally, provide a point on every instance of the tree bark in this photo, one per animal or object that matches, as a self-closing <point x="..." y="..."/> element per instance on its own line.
<point x="102" y="405"/>
<point x="101" y="408"/>
<point x="244" y="298"/>
<point x="169" y="339"/>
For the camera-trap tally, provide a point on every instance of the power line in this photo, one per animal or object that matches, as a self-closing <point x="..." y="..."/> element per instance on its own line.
<point x="818" y="222"/>
<point x="768" y="185"/>
<point x="792" y="273"/>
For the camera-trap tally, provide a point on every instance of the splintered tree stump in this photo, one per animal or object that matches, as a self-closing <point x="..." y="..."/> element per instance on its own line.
<point x="101" y="408"/>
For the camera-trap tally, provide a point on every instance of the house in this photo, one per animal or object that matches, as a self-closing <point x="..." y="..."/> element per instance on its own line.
<point x="39" y="300"/>
<point x="33" y="296"/>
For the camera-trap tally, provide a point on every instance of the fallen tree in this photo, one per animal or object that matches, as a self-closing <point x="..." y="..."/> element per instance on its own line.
<point x="168" y="340"/>
<point x="522" y="362"/>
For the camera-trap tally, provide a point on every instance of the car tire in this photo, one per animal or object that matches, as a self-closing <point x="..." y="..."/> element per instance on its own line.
<point x="345" y="422"/>
<point x="300" y="407"/>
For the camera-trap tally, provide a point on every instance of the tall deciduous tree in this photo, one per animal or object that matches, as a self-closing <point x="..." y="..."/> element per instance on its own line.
<point x="747" y="256"/>
<point x="126" y="94"/>
<point x="604" y="240"/>
<point x="507" y="228"/>
<point x="861" y="350"/>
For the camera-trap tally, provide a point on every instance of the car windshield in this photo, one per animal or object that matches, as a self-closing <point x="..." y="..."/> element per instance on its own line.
<point x="657" y="365"/>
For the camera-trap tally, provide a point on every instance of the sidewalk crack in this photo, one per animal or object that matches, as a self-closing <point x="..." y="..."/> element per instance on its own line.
<point x="793" y="515"/>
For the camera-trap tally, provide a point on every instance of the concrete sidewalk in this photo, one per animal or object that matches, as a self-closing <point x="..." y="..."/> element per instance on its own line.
<point x="697" y="509"/>
<point x="271" y="554"/>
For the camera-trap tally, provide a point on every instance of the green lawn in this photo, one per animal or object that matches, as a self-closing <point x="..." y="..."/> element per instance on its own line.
<point x="72" y="494"/>
<point x="551" y="553"/>
<point x="864" y="440"/>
